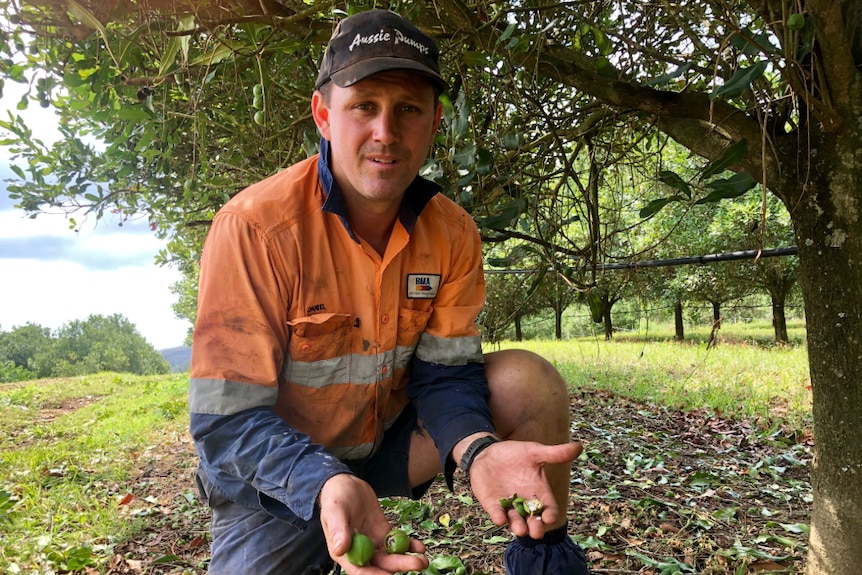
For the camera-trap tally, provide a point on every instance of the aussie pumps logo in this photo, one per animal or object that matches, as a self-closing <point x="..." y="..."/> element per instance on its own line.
<point x="383" y="36"/>
<point x="422" y="286"/>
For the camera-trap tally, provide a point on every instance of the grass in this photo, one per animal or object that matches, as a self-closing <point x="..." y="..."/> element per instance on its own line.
<point x="743" y="376"/>
<point x="68" y="449"/>
<point x="95" y="471"/>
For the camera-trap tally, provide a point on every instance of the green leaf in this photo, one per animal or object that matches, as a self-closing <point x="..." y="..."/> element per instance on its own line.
<point x="446" y="563"/>
<point x="796" y="527"/>
<point x="740" y="81"/>
<point x="499" y="262"/>
<point x="702" y="479"/>
<point x="603" y="42"/>
<point x="504" y="218"/>
<point x="466" y="156"/>
<point x="512" y="140"/>
<point x="665" y="78"/>
<point x="597" y="306"/>
<point x="752" y="44"/>
<point x="484" y="162"/>
<point x="731" y="156"/>
<point x="133" y="114"/>
<point x="18" y="171"/>
<point x="729" y="188"/>
<point x="473" y="58"/>
<point x="675" y="181"/>
<point x="87" y="18"/>
<point x="507" y="32"/>
<point x="725" y="513"/>
<point x="655" y="206"/>
<point x="177" y="44"/>
<point x="219" y="54"/>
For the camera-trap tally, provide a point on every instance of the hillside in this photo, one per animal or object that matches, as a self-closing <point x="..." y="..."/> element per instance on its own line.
<point x="179" y="357"/>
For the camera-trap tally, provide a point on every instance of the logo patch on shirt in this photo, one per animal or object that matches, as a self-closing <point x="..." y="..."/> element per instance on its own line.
<point x="422" y="286"/>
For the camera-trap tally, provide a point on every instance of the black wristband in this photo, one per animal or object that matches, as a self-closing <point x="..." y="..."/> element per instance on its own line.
<point x="474" y="449"/>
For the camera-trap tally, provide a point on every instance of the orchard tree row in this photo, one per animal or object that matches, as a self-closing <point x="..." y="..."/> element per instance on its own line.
<point x="526" y="285"/>
<point x="99" y="343"/>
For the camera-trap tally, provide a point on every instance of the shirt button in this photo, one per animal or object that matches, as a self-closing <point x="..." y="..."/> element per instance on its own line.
<point x="384" y="319"/>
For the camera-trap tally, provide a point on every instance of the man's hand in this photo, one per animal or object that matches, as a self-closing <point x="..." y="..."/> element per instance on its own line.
<point x="510" y="467"/>
<point x="348" y="504"/>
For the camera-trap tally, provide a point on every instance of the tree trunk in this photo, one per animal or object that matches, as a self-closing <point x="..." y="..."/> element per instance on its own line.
<point x="779" y="322"/>
<point x="677" y="321"/>
<point x="829" y="236"/>
<point x="606" y="319"/>
<point x="558" y="323"/>
<point x="519" y="332"/>
<point x="716" y="315"/>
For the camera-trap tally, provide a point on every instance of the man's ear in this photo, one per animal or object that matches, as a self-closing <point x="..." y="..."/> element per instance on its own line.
<point x="320" y="113"/>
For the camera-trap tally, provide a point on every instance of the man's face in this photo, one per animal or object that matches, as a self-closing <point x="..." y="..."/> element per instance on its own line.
<point x="380" y="130"/>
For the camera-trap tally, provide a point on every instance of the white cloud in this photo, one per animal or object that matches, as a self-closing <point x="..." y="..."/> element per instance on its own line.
<point x="51" y="294"/>
<point x="52" y="275"/>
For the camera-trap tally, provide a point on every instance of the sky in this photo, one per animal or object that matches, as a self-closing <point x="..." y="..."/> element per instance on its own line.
<point x="51" y="275"/>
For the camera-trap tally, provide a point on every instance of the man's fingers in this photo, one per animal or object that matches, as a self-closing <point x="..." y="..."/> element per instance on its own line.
<point x="562" y="453"/>
<point x="338" y="538"/>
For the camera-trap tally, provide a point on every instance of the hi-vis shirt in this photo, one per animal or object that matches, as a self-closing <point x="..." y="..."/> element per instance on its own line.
<point x="308" y="343"/>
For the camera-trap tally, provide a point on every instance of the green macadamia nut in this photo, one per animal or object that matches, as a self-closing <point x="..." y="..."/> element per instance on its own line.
<point x="397" y="542"/>
<point x="361" y="550"/>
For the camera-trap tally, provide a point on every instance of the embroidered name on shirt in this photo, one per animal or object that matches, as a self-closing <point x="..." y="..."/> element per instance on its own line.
<point x="382" y="36"/>
<point x="422" y="286"/>
<point x="315" y="308"/>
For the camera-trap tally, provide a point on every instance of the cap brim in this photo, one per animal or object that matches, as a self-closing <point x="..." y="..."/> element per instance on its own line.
<point x="352" y="74"/>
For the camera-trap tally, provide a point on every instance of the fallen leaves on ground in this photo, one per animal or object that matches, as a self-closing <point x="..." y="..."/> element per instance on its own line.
<point x="656" y="492"/>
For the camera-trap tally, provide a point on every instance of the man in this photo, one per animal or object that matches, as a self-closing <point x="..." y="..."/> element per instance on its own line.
<point x="336" y="357"/>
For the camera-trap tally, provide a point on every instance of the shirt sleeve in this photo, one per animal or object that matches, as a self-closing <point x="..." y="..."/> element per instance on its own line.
<point x="447" y="376"/>
<point x="237" y="353"/>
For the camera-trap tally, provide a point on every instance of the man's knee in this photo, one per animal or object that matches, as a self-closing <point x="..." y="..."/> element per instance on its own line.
<point x="527" y="392"/>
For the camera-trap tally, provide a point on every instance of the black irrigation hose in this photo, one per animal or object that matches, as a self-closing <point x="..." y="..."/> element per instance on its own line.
<point x="689" y="260"/>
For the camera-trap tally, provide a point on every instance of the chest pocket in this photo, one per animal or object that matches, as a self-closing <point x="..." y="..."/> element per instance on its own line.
<point x="322" y="336"/>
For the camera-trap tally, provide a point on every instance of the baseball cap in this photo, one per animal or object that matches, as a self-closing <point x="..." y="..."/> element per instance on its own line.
<point x="375" y="41"/>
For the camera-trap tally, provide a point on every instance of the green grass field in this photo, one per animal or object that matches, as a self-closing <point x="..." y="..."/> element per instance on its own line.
<point x="96" y="471"/>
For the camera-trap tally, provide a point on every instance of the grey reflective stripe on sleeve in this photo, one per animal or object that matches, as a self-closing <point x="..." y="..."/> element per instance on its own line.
<point x="450" y="350"/>
<point x="225" y="397"/>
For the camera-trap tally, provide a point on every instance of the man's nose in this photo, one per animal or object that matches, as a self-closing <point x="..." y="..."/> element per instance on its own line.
<point x="386" y="128"/>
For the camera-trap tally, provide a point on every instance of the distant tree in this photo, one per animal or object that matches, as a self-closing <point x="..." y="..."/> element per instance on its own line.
<point x="101" y="343"/>
<point x="21" y="344"/>
<point x="11" y="372"/>
<point x="186" y="290"/>
<point x="752" y="224"/>
<point x="555" y="294"/>
<point x="507" y="300"/>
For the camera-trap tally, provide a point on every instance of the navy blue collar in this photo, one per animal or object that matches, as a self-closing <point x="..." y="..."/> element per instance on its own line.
<point x="418" y="194"/>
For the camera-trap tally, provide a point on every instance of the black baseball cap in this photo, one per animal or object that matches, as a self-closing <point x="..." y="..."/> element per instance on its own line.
<point x="375" y="41"/>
